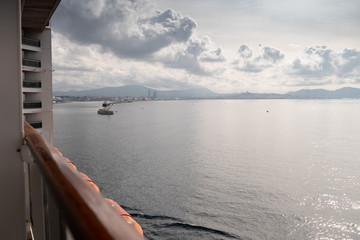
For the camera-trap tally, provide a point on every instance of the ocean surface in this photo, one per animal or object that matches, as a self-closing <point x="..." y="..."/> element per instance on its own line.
<point x="223" y="169"/>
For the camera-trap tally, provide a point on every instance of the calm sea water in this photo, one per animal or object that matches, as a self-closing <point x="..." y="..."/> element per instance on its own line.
<point x="223" y="169"/>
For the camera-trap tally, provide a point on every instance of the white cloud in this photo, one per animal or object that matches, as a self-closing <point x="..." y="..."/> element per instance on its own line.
<point x="349" y="63"/>
<point x="199" y="56"/>
<point x="248" y="61"/>
<point x="321" y="62"/>
<point x="100" y="43"/>
<point x="82" y="67"/>
<point x="315" y="62"/>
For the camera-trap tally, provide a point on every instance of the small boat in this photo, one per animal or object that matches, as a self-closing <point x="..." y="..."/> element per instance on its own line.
<point x="106" y="109"/>
<point x="105" y="112"/>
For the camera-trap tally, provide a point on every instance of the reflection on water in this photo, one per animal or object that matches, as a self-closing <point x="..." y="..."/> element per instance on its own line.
<point x="319" y="227"/>
<point x="248" y="169"/>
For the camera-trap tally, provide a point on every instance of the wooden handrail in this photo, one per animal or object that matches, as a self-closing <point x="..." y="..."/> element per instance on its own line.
<point x="87" y="213"/>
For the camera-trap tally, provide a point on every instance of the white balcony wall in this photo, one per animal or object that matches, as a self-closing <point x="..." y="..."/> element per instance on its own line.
<point x="12" y="180"/>
<point x="43" y="75"/>
<point x="33" y="97"/>
<point x="32" y="55"/>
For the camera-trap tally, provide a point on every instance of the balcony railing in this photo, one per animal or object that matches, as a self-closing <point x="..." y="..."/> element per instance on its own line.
<point x="28" y="105"/>
<point x="28" y="84"/>
<point x="84" y="211"/>
<point x="31" y="42"/>
<point x="31" y="63"/>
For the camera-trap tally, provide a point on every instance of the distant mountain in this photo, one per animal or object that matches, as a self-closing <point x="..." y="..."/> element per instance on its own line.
<point x="346" y="92"/>
<point x="190" y="93"/>
<point x="140" y="91"/>
<point x="311" y="93"/>
<point x="249" y="95"/>
<point x="129" y="90"/>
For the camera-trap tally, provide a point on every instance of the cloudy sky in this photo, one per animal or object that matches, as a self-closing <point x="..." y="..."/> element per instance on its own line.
<point x="223" y="45"/>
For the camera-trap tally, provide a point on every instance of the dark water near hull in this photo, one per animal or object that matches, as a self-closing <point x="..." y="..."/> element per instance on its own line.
<point x="223" y="169"/>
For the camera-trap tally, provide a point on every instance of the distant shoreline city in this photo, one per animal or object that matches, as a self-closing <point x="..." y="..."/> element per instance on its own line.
<point x="142" y="93"/>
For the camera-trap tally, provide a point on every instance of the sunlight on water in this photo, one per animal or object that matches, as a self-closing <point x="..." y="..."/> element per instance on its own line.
<point x="223" y="169"/>
<point x="325" y="201"/>
<point x="319" y="227"/>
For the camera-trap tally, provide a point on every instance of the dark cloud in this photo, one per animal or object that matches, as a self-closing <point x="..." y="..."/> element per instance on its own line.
<point x="126" y="28"/>
<point x="248" y="61"/>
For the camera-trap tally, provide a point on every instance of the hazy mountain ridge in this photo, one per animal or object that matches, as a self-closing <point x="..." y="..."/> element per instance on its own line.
<point x="142" y="91"/>
<point x="346" y="92"/>
<point x="128" y="90"/>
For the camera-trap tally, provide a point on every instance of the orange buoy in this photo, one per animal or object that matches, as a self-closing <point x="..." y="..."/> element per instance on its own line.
<point x="126" y="216"/>
<point x="117" y="207"/>
<point x="71" y="163"/>
<point x="130" y="220"/>
<point x="58" y="151"/>
<point x="86" y="178"/>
